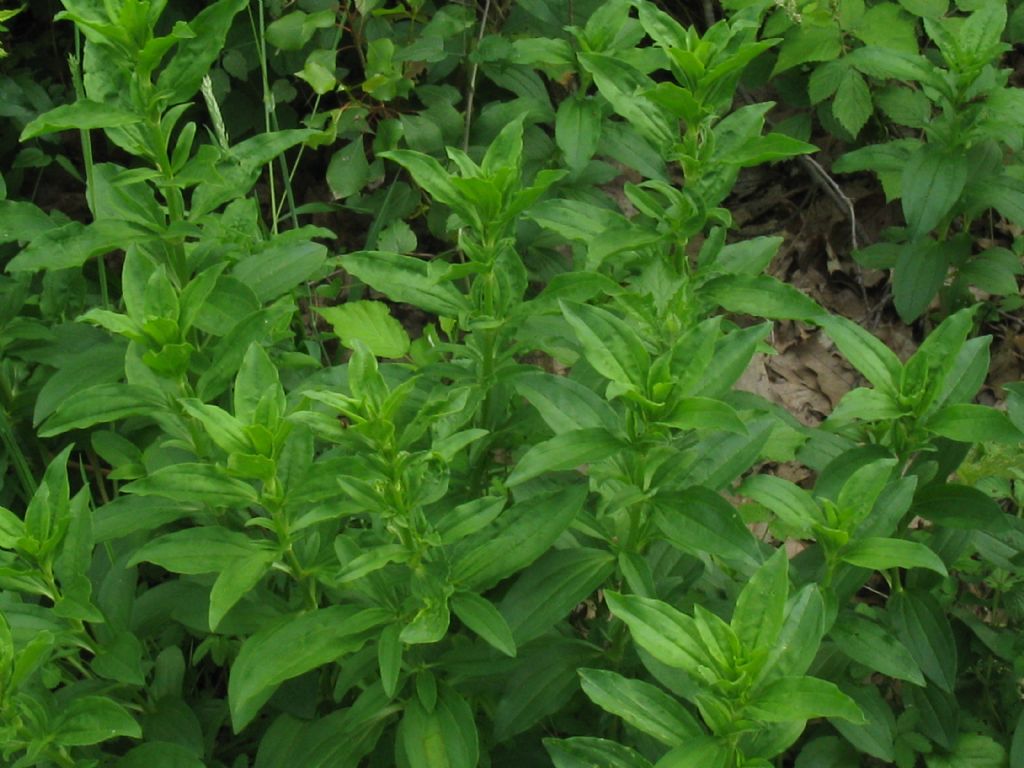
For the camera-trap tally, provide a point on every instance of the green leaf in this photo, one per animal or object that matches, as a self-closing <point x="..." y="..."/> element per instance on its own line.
<point x="969" y="423"/>
<point x="790" y="503"/>
<point x="922" y="625"/>
<point x="22" y="221"/>
<point x="870" y="644"/>
<point x="761" y="605"/>
<point x="762" y="296"/>
<point x="348" y="171"/>
<point x="238" y="577"/>
<point x="532" y="525"/>
<point x="808" y="42"/>
<point x="292" y="646"/>
<point x="930" y="9"/>
<point x="389" y="658"/>
<point x="960" y="506"/>
<point x="160" y="754"/>
<point x="370" y="322"/>
<point x="542" y="684"/>
<point x="932" y="183"/>
<point x="194" y="483"/>
<point x="429" y="174"/>
<point x="208" y="549"/>
<point x="852" y="106"/>
<point x="865" y="405"/>
<point x="102" y="403"/>
<point x="972" y="749"/>
<point x="564" y="404"/>
<point x="587" y="751"/>
<point x="71" y="245"/>
<point x="565" y="451"/>
<point x="880" y="554"/>
<point x="705" y="752"/>
<point x="444" y="737"/>
<point x="609" y="344"/>
<point x="293" y="30"/>
<point x="875" y="737"/>
<point x="229" y="352"/>
<point x="700" y="521"/>
<point x="619" y="83"/>
<point x="642" y="705"/>
<point x="81" y="115"/>
<point x="919" y="274"/>
<point x="546" y="592"/>
<point x="703" y="413"/>
<point x="480" y="615"/>
<point x="223" y="428"/>
<point x="92" y="719"/>
<point x="668" y="635"/>
<point x="284" y="263"/>
<point x="800" y="637"/>
<point x="802" y="698"/>
<point x="578" y="130"/>
<point x="180" y="79"/>
<point x="405" y="279"/>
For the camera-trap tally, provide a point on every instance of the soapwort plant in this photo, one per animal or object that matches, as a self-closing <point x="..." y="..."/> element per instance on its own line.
<point x="496" y="503"/>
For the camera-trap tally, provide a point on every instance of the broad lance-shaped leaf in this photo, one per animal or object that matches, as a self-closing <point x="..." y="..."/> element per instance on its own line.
<point x="644" y="706"/>
<point x="703" y="413"/>
<point x="81" y="115"/>
<point x="761" y="605"/>
<point x="208" y="549"/>
<point x="481" y="561"/>
<point x="700" y="521"/>
<point x="587" y="751"/>
<point x="480" y="615"/>
<point x="960" y="506"/>
<point x="932" y="182"/>
<point x="793" y="505"/>
<point x="609" y="344"/>
<point x="802" y="698"/>
<point x="880" y="554"/>
<point x="922" y="626"/>
<point x="762" y="296"/>
<point x="194" y="483"/>
<point x="668" y="635"/>
<point x="292" y="646"/>
<point x="565" y="451"/>
<point x="578" y="130"/>
<point x="405" y="279"/>
<point x="180" y="79"/>
<point x="872" y="645"/>
<point x="865" y="352"/>
<point x="547" y="591"/>
<point x="443" y="736"/>
<point x="564" y="404"/>
<point x="71" y="245"/>
<point x="970" y="423"/>
<point x="236" y="580"/>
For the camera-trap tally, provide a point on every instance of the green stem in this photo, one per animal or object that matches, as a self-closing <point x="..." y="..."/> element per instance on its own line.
<point x="259" y="33"/>
<point x="75" y="63"/>
<point x="21" y="468"/>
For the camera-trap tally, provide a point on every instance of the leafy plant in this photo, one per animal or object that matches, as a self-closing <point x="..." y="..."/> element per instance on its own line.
<point x="473" y="485"/>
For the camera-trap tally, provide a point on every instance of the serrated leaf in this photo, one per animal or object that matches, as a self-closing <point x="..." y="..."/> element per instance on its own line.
<point x="852" y="105"/>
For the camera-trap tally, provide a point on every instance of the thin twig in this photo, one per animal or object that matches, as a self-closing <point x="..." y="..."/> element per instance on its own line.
<point x="836" y="193"/>
<point x="709" y="13"/>
<point x="471" y="90"/>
